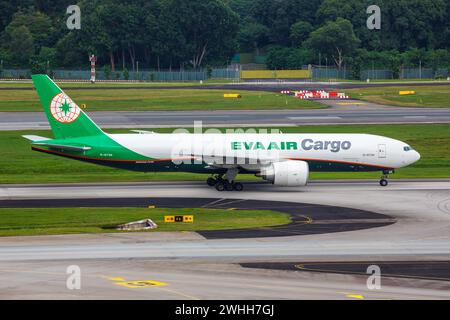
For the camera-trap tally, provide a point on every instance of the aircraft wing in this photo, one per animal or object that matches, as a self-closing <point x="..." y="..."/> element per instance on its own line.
<point x="143" y="132"/>
<point x="237" y="161"/>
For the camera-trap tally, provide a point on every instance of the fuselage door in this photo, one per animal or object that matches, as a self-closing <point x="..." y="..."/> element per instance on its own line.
<point x="381" y="151"/>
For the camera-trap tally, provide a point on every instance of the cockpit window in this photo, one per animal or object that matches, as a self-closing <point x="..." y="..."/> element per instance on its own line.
<point x="407" y="148"/>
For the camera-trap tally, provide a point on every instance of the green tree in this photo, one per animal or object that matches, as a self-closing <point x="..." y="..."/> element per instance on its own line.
<point x="413" y="23"/>
<point x="413" y="57"/>
<point x="9" y="7"/>
<point x="335" y="39"/>
<point x="282" y="58"/>
<point x="300" y="32"/>
<point x="209" y="28"/>
<point x="252" y="35"/>
<point x="38" y="23"/>
<point x="20" y="43"/>
<point x="126" y="74"/>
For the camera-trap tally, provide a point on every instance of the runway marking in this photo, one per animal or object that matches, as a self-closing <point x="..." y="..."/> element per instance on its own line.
<point x="362" y="297"/>
<point x="216" y="203"/>
<point x="414" y="117"/>
<point x="314" y="118"/>
<point x="390" y="275"/>
<point x="350" y="103"/>
<point x="180" y="294"/>
<point x="140" y="284"/>
<point x="354" y="296"/>
<point x="135" y="284"/>
<point x="212" y="203"/>
<point x="230" y="202"/>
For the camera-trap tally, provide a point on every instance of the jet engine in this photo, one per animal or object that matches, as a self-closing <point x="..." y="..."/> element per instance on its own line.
<point x="286" y="173"/>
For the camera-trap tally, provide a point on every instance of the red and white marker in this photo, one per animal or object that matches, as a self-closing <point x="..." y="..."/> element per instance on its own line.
<point x="93" y="60"/>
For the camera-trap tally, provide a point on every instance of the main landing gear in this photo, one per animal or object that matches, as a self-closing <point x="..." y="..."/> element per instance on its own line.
<point x="383" y="181"/>
<point x="225" y="182"/>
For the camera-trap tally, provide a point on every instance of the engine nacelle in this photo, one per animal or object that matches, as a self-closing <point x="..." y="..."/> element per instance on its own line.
<point x="287" y="173"/>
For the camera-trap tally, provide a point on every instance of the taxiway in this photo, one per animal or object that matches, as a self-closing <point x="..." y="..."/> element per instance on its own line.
<point x="340" y="112"/>
<point x="189" y="266"/>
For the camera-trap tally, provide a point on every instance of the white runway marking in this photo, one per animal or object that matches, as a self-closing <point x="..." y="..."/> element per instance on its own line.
<point x="314" y="118"/>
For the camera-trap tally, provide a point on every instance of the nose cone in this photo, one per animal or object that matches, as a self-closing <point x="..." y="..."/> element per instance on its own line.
<point x="414" y="157"/>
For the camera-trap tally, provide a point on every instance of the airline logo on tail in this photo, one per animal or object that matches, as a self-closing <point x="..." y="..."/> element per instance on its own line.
<point x="63" y="109"/>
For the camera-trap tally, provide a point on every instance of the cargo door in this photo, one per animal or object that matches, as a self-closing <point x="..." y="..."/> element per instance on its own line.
<point x="381" y="151"/>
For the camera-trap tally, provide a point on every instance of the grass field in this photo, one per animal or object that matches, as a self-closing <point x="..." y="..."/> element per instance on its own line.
<point x="164" y="99"/>
<point x="18" y="164"/>
<point x="46" y="221"/>
<point x="67" y="83"/>
<point x="426" y="96"/>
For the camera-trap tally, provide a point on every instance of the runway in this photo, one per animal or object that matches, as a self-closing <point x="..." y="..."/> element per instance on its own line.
<point x="340" y="112"/>
<point x="192" y="267"/>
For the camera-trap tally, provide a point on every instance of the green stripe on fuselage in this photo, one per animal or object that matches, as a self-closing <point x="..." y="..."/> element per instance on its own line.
<point x="103" y="147"/>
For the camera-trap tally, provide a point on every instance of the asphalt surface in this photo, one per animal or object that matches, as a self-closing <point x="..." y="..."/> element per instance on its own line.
<point x="305" y="218"/>
<point x="192" y="267"/>
<point x="340" y="112"/>
<point x="436" y="270"/>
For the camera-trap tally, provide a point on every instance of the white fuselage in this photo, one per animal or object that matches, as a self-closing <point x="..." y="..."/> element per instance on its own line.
<point x="352" y="149"/>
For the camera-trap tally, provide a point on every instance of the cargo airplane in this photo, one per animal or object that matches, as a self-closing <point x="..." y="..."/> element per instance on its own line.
<point x="281" y="159"/>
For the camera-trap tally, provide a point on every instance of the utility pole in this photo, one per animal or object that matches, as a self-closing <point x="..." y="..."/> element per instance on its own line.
<point x="373" y="70"/>
<point x="137" y="69"/>
<point x="420" y="69"/>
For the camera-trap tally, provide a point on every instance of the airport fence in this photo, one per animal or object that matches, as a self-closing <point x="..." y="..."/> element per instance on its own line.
<point x="275" y="74"/>
<point x="316" y="72"/>
<point x="423" y="73"/>
<point x="15" y="74"/>
<point x="225" y="74"/>
<point x="164" y="76"/>
<point x="376" y="74"/>
<point x="321" y="72"/>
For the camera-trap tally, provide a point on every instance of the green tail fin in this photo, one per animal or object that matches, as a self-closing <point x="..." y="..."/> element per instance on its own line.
<point x="66" y="119"/>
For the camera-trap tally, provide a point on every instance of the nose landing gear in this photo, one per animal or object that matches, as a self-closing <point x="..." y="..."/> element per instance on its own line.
<point x="383" y="181"/>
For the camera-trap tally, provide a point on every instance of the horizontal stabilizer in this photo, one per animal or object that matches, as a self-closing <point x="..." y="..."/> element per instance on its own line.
<point x="143" y="131"/>
<point x="35" y="138"/>
<point x="63" y="147"/>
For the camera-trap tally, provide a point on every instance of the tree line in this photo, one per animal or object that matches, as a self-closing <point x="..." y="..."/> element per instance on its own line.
<point x="193" y="34"/>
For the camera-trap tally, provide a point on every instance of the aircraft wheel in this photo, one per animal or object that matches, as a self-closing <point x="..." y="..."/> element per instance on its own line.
<point x="238" y="186"/>
<point x="383" y="182"/>
<point x="228" y="186"/>
<point x="211" y="182"/>
<point x="220" y="186"/>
